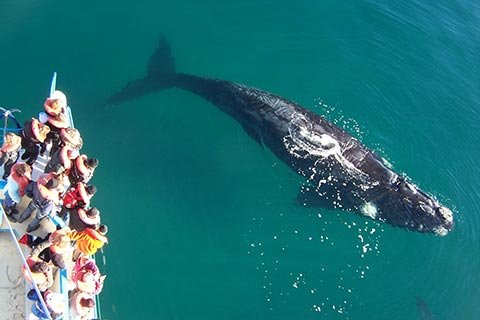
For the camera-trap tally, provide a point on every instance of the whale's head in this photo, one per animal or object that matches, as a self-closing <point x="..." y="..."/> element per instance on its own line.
<point x="405" y="205"/>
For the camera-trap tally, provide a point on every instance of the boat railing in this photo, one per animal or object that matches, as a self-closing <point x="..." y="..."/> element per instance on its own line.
<point x="7" y="114"/>
<point x="24" y="260"/>
<point x="58" y="221"/>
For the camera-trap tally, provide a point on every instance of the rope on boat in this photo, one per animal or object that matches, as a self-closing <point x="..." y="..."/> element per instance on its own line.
<point x="15" y="240"/>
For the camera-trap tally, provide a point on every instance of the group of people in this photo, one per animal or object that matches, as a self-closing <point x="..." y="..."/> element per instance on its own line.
<point x="64" y="191"/>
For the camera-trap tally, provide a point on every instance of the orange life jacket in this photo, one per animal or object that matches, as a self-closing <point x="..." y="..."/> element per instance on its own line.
<point x="88" y="240"/>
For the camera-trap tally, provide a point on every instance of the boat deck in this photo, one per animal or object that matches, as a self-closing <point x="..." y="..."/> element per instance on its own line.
<point x="12" y="285"/>
<point x="13" y="288"/>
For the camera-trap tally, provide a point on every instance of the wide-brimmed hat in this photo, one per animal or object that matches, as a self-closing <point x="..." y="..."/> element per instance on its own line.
<point x="54" y="301"/>
<point x="77" y="298"/>
<point x="87" y="282"/>
<point x="71" y="136"/>
<point x="15" y="142"/>
<point x="60" y="96"/>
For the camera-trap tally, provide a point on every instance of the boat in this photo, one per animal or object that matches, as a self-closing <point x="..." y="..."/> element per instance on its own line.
<point x="14" y="288"/>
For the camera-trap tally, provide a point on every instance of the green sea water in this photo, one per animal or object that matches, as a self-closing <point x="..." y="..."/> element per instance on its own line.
<point x="203" y="221"/>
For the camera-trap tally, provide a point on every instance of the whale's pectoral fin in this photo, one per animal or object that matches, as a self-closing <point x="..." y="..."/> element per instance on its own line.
<point x="254" y="134"/>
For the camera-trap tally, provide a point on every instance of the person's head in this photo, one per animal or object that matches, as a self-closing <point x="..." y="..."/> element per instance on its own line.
<point x="40" y="266"/>
<point x="9" y="137"/>
<point x="43" y="129"/>
<point x="93" y="212"/>
<point x="12" y="139"/>
<point x="102" y="229"/>
<point x="58" y="261"/>
<point x="23" y="170"/>
<point x="92" y="163"/>
<point x="87" y="302"/>
<point x="91" y="189"/>
<point x="71" y="137"/>
<point x="52" y="184"/>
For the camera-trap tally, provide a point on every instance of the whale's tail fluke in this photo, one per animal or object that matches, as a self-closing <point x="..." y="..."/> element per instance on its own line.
<point x="161" y="64"/>
<point x="160" y="75"/>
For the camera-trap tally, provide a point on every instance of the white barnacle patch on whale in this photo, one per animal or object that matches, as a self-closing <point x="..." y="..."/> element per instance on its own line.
<point x="446" y="214"/>
<point x="440" y="231"/>
<point x="369" y="209"/>
<point x="304" y="142"/>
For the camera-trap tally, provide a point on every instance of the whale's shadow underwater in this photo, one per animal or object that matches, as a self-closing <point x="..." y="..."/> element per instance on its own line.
<point x="341" y="172"/>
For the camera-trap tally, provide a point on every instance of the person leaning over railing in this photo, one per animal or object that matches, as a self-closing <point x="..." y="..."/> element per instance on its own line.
<point x="82" y="169"/>
<point x="55" y="108"/>
<point x="78" y="196"/>
<point x="89" y="240"/>
<point x="81" y="218"/>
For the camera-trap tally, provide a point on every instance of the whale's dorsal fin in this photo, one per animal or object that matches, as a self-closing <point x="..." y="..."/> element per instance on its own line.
<point x="161" y="63"/>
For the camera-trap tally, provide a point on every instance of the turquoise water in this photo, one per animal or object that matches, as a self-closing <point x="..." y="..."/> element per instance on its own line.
<point x="203" y="221"/>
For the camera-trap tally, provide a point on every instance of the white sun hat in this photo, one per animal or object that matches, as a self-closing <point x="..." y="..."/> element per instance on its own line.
<point x="59" y="95"/>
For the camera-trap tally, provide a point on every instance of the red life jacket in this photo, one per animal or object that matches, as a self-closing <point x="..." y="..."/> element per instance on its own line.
<point x="76" y="197"/>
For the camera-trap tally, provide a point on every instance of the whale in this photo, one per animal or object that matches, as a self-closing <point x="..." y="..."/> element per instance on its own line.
<point x="340" y="172"/>
<point x="423" y="310"/>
